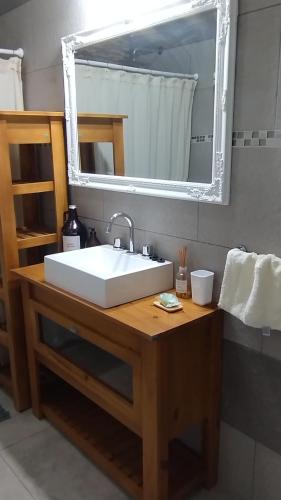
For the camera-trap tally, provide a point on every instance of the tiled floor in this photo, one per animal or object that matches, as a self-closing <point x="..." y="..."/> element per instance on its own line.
<point x="36" y="462"/>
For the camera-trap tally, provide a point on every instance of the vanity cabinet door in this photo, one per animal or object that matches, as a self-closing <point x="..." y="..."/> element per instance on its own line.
<point x="104" y="371"/>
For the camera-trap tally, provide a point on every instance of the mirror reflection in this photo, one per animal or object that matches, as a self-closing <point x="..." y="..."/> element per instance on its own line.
<point x="161" y="80"/>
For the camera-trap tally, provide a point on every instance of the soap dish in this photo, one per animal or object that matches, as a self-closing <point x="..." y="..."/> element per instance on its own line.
<point x="157" y="303"/>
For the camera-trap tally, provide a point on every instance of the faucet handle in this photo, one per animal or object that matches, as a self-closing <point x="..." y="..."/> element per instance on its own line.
<point x="147" y="250"/>
<point x="117" y="243"/>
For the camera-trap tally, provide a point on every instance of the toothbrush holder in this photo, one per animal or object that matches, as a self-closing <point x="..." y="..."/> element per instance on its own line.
<point x="202" y="286"/>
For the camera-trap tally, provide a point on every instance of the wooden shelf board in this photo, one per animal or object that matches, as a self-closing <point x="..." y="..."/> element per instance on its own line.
<point x="112" y="446"/>
<point x="100" y="116"/>
<point x="23" y="114"/>
<point x="6" y="379"/>
<point x="20" y="188"/>
<point x="28" y="238"/>
<point x="4" y="339"/>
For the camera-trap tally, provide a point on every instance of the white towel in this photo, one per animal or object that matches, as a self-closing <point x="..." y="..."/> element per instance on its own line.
<point x="251" y="289"/>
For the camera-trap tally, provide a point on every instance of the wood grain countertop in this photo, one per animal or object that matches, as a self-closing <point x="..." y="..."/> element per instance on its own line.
<point x="140" y="315"/>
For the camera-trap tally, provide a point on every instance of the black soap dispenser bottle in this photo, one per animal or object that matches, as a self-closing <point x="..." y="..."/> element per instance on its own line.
<point x="93" y="240"/>
<point x="74" y="233"/>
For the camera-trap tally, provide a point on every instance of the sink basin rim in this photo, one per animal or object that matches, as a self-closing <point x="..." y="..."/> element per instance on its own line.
<point x="147" y="263"/>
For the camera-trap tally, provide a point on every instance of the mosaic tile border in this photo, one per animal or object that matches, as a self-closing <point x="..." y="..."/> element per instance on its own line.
<point x="247" y="138"/>
<point x="198" y="139"/>
<point x="257" y="138"/>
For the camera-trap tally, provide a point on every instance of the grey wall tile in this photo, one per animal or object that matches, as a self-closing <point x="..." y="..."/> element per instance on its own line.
<point x="160" y="215"/>
<point x="167" y="247"/>
<point x="99" y="226"/>
<point x="252" y="394"/>
<point x="278" y="100"/>
<point x="48" y="82"/>
<point x="21" y="21"/>
<point x="7" y="5"/>
<point x="200" y="255"/>
<point x="271" y="346"/>
<point x="253" y="216"/>
<point x="236" y="463"/>
<point x="253" y="5"/>
<point x="236" y="331"/>
<point x="89" y="202"/>
<point x="267" y="484"/>
<point x="257" y="58"/>
<point x="212" y="258"/>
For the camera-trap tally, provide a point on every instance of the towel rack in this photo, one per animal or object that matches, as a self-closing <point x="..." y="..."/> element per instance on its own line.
<point x="266" y="330"/>
<point x="243" y="248"/>
<point x="18" y="52"/>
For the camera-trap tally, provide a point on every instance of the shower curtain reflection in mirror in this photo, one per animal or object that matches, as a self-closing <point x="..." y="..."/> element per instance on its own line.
<point x="157" y="132"/>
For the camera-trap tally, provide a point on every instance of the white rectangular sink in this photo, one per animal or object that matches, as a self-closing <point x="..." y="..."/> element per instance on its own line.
<point x="108" y="277"/>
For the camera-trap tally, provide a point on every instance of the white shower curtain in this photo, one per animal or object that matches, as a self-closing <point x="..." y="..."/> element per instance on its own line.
<point x="159" y="109"/>
<point x="11" y="96"/>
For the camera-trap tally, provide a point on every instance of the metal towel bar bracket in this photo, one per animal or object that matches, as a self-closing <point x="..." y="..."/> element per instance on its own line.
<point x="242" y="248"/>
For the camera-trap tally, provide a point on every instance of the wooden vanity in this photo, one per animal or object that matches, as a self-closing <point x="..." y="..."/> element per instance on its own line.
<point x="175" y="361"/>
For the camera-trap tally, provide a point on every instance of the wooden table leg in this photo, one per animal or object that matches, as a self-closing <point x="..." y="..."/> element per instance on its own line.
<point x="31" y="334"/>
<point x="17" y="348"/>
<point x="155" y="394"/>
<point x="212" y="423"/>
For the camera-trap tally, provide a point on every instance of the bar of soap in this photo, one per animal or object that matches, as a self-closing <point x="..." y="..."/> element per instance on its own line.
<point x="169" y="300"/>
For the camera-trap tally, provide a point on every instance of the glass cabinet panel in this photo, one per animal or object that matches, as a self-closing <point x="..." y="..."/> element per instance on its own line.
<point x="97" y="362"/>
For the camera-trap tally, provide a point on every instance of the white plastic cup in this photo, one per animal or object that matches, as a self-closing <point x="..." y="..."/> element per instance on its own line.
<point x="202" y="286"/>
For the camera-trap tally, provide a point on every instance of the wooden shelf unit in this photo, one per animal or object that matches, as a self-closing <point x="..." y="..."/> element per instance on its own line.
<point x="95" y="128"/>
<point x="23" y="129"/>
<point x="29" y="238"/>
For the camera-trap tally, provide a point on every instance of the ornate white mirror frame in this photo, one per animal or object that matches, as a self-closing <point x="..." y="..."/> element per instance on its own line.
<point x="218" y="190"/>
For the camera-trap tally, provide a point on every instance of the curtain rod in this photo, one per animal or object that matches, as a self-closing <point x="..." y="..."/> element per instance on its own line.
<point x="18" y="52"/>
<point x="131" y="69"/>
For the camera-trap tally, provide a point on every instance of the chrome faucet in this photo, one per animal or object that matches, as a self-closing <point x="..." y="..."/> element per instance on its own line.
<point x="130" y="224"/>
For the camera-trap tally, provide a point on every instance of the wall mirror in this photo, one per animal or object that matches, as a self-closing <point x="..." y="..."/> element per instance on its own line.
<point x="161" y="87"/>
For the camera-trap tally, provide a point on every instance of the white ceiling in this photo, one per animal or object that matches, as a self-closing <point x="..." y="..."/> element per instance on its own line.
<point x="6" y="5"/>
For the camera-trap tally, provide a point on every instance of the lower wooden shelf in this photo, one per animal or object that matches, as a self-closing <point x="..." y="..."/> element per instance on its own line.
<point x="34" y="237"/>
<point x="113" y="447"/>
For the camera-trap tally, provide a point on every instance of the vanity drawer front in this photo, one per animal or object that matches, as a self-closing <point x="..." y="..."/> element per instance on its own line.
<point x="79" y="311"/>
<point x="104" y="371"/>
